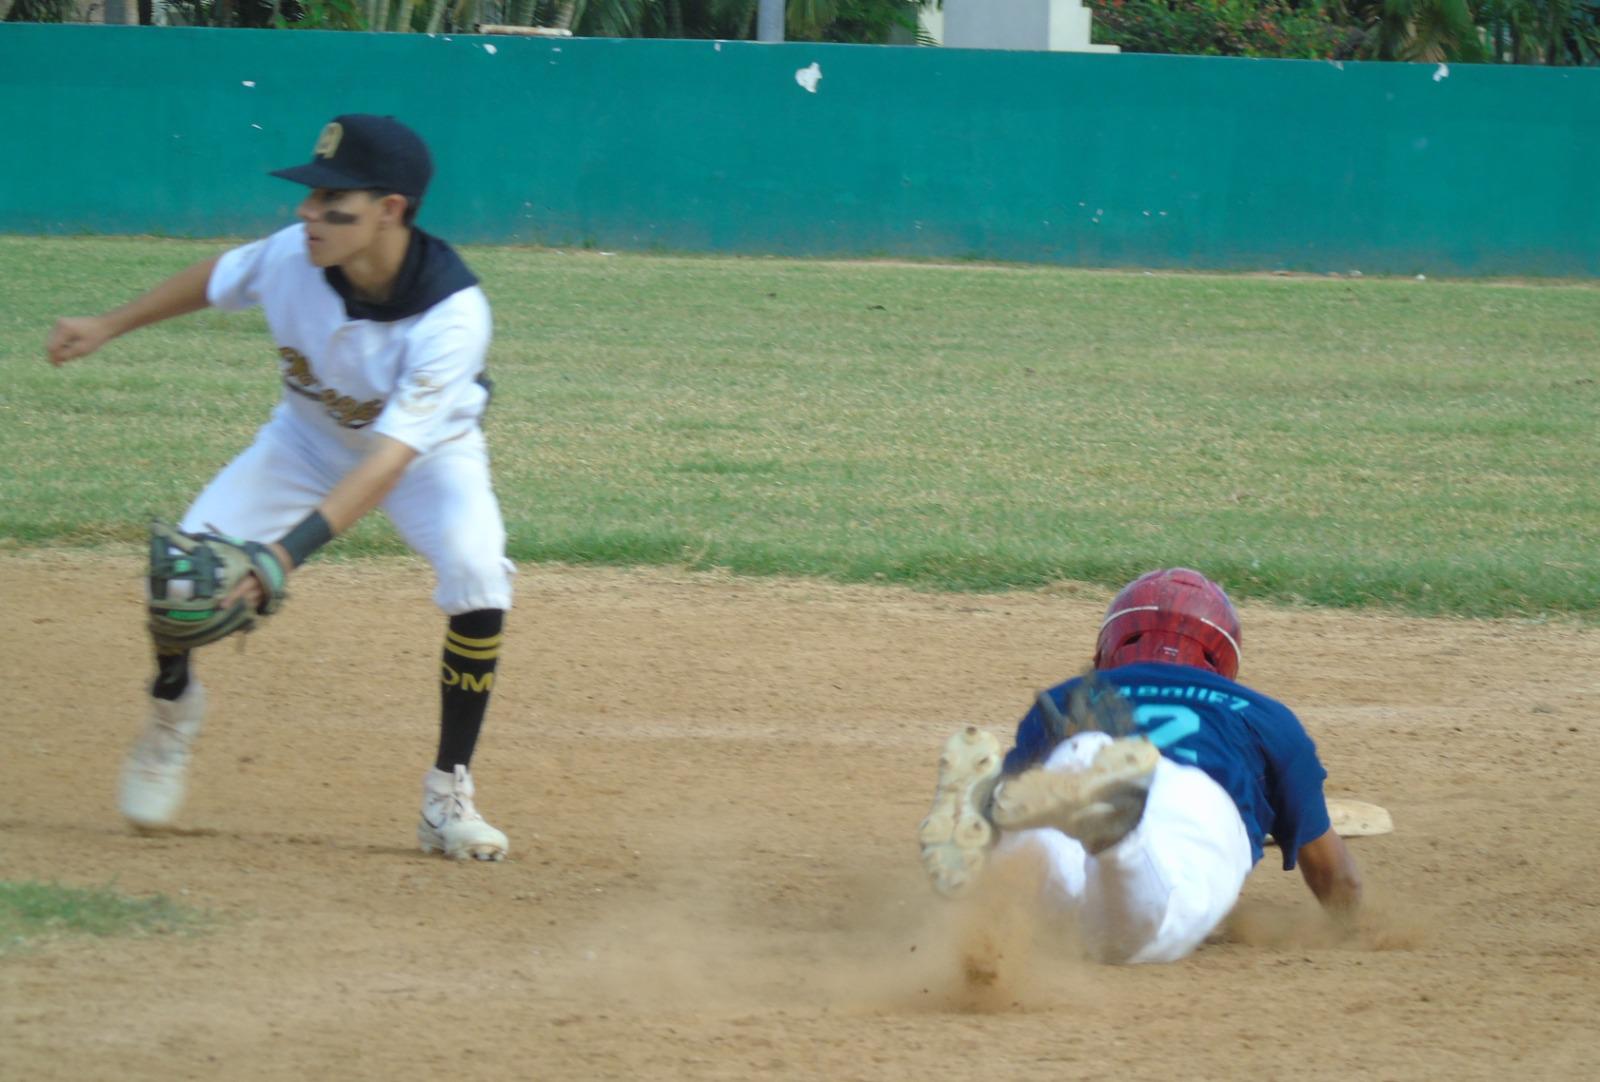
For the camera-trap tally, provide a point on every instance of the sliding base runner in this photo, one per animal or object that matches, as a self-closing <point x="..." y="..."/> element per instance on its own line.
<point x="1147" y="788"/>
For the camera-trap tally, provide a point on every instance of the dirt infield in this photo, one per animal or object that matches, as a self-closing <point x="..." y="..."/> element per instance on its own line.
<point x="712" y="787"/>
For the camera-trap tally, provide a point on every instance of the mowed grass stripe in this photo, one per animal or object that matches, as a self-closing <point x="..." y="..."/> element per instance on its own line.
<point x="1427" y="446"/>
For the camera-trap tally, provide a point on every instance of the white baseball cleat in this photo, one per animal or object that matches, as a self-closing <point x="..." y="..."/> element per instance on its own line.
<point x="451" y="824"/>
<point x="956" y="835"/>
<point x="1098" y="805"/>
<point x="154" y="775"/>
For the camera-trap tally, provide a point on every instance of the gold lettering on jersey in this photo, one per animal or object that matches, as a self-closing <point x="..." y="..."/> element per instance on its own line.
<point x="348" y="412"/>
<point x="328" y="142"/>
<point x="297" y="368"/>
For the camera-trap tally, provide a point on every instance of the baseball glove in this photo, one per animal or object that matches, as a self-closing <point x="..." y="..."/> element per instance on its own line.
<point x="191" y="574"/>
<point x="1093" y="705"/>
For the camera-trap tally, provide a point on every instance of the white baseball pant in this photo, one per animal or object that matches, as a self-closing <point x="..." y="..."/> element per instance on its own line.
<point x="444" y="506"/>
<point x="1155" y="895"/>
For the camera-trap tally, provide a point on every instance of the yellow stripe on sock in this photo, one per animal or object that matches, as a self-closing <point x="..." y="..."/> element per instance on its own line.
<point x="477" y="655"/>
<point x="473" y="644"/>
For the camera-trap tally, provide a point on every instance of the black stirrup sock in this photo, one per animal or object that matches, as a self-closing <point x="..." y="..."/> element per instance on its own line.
<point x="471" y="652"/>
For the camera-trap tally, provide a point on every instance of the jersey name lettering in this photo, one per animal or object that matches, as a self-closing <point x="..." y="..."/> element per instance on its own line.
<point x="348" y="412"/>
<point x="1142" y="692"/>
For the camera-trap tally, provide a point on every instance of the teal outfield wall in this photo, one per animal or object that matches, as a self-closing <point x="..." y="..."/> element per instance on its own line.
<point x="1088" y="160"/>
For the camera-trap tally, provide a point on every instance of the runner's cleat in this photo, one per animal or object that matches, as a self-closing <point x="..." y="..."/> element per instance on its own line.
<point x="1097" y="805"/>
<point x="957" y="835"/>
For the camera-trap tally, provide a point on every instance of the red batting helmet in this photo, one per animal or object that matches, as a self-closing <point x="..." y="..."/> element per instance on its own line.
<point x="1177" y="616"/>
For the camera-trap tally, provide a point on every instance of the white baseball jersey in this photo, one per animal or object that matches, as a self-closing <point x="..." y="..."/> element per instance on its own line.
<point x="414" y="379"/>
<point x="411" y="369"/>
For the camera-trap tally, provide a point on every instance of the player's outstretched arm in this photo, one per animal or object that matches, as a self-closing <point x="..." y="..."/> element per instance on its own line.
<point x="78" y="336"/>
<point x="1330" y="871"/>
<point x="357" y="493"/>
<point x="364" y="487"/>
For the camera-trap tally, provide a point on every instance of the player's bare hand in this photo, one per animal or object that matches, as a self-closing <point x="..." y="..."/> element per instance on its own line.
<point x="250" y="589"/>
<point x="76" y="336"/>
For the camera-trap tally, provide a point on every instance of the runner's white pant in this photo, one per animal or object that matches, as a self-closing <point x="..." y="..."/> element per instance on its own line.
<point x="1155" y="895"/>
<point x="444" y="506"/>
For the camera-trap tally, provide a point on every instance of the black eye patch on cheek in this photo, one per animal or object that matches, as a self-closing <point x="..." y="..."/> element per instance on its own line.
<point x="340" y="217"/>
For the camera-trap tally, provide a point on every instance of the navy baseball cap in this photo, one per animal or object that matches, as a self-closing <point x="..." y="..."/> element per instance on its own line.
<point x="360" y="150"/>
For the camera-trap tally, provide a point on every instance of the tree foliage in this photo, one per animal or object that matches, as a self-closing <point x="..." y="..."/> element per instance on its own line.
<point x="1541" y="31"/>
<point x="863" y="21"/>
<point x="40" y="11"/>
<point x="1258" y="28"/>
<point x="1503" y="31"/>
<point x="1551" y="32"/>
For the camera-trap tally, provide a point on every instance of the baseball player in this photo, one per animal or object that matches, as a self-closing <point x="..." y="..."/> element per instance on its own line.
<point x="1147" y="787"/>
<point x="381" y="334"/>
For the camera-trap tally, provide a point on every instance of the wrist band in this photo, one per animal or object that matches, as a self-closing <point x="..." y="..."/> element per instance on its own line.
<point x="310" y="534"/>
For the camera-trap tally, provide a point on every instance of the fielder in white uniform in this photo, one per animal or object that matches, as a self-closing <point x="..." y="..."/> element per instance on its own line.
<point x="1147" y="788"/>
<point x="381" y="335"/>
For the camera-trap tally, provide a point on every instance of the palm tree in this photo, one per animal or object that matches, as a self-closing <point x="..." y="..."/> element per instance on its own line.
<point x="1427" y="30"/>
<point x="808" y="20"/>
<point x="1541" y="31"/>
<point x="1421" y="30"/>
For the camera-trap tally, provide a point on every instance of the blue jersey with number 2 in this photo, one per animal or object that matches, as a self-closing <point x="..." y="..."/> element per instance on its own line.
<point x="1252" y="746"/>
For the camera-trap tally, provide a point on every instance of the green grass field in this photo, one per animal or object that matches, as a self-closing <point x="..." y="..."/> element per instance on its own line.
<point x="30" y="911"/>
<point x="1428" y="446"/>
